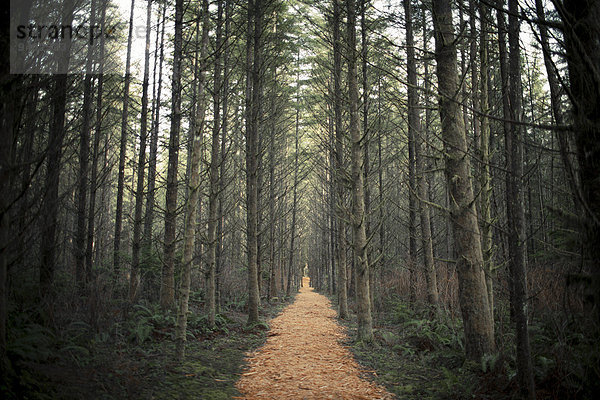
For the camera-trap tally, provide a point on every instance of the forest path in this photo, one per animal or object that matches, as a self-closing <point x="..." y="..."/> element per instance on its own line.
<point x="303" y="357"/>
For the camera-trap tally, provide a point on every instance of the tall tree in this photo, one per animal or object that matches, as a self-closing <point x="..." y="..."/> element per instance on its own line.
<point x="418" y="145"/>
<point x="193" y="197"/>
<point x="515" y="208"/>
<point x="215" y="160"/>
<point x="555" y="102"/>
<point x="291" y="265"/>
<point x="50" y="203"/>
<point x="358" y="217"/>
<point x="222" y="168"/>
<point x="84" y="154"/>
<point x="123" y="150"/>
<point x="151" y="192"/>
<point x="139" y="193"/>
<point x="582" y="42"/>
<point x="89" y="259"/>
<point x="477" y="319"/>
<point x="253" y="88"/>
<point x="484" y="151"/>
<point x="167" y="289"/>
<point x="339" y="170"/>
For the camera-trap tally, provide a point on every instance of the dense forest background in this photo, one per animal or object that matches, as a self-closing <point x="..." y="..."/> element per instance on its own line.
<point x="433" y="166"/>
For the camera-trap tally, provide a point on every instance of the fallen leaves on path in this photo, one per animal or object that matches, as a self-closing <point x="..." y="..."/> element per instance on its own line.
<point x="303" y="357"/>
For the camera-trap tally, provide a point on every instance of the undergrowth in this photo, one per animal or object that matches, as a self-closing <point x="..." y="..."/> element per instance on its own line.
<point x="132" y="357"/>
<point x="418" y="353"/>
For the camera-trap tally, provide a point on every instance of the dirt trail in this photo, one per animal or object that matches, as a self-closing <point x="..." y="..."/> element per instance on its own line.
<point x="304" y="359"/>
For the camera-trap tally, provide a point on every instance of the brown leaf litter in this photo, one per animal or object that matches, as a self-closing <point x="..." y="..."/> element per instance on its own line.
<point x="303" y="357"/>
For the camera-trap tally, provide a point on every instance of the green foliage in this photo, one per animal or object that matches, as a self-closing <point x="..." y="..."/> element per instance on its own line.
<point x="33" y="342"/>
<point x="259" y="325"/>
<point x="401" y="313"/>
<point x="450" y="379"/>
<point x="488" y="362"/>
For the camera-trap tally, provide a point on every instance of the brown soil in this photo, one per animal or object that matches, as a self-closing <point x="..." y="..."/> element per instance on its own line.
<point x="303" y="357"/>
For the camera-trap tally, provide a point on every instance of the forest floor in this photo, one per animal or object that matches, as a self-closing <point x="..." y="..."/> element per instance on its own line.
<point x="134" y="358"/>
<point x="304" y="357"/>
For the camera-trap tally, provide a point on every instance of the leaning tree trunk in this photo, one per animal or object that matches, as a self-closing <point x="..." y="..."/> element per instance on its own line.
<point x="358" y="218"/>
<point x="555" y="103"/>
<point x="477" y="319"/>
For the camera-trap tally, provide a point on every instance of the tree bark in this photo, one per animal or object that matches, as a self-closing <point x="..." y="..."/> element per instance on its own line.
<point x="253" y="76"/>
<point x="339" y="172"/>
<point x="167" y="289"/>
<point x="582" y="42"/>
<point x="213" y="196"/>
<point x="193" y="197"/>
<point x="91" y="234"/>
<point x="123" y="152"/>
<point x="416" y="133"/>
<point x="555" y="103"/>
<point x="291" y="262"/>
<point x="515" y="210"/>
<point x="477" y="319"/>
<point x="222" y="171"/>
<point x="484" y="150"/>
<point x="134" y="277"/>
<point x="84" y="155"/>
<point x="151" y="189"/>
<point x="365" y="322"/>
<point x="51" y="198"/>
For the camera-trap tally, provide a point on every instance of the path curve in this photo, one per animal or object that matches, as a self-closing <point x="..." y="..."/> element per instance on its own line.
<point x="303" y="357"/>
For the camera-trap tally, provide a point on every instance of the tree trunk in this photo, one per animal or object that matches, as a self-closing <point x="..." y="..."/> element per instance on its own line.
<point x="515" y="210"/>
<point x="194" y="195"/>
<point x="50" y="206"/>
<point x="484" y="150"/>
<point x="151" y="192"/>
<point x="271" y="289"/>
<point x="339" y="172"/>
<point x="555" y="103"/>
<point x="167" y="289"/>
<point x="291" y="261"/>
<point x="416" y="133"/>
<point x="365" y="323"/>
<point x="222" y="172"/>
<point x="139" y="193"/>
<point x="582" y="42"/>
<point x="366" y="134"/>
<point x="84" y="154"/>
<point x="89" y="256"/>
<point x="213" y="197"/>
<point x="412" y="216"/>
<point x="253" y="82"/>
<point x="478" y="322"/>
<point x="123" y="152"/>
